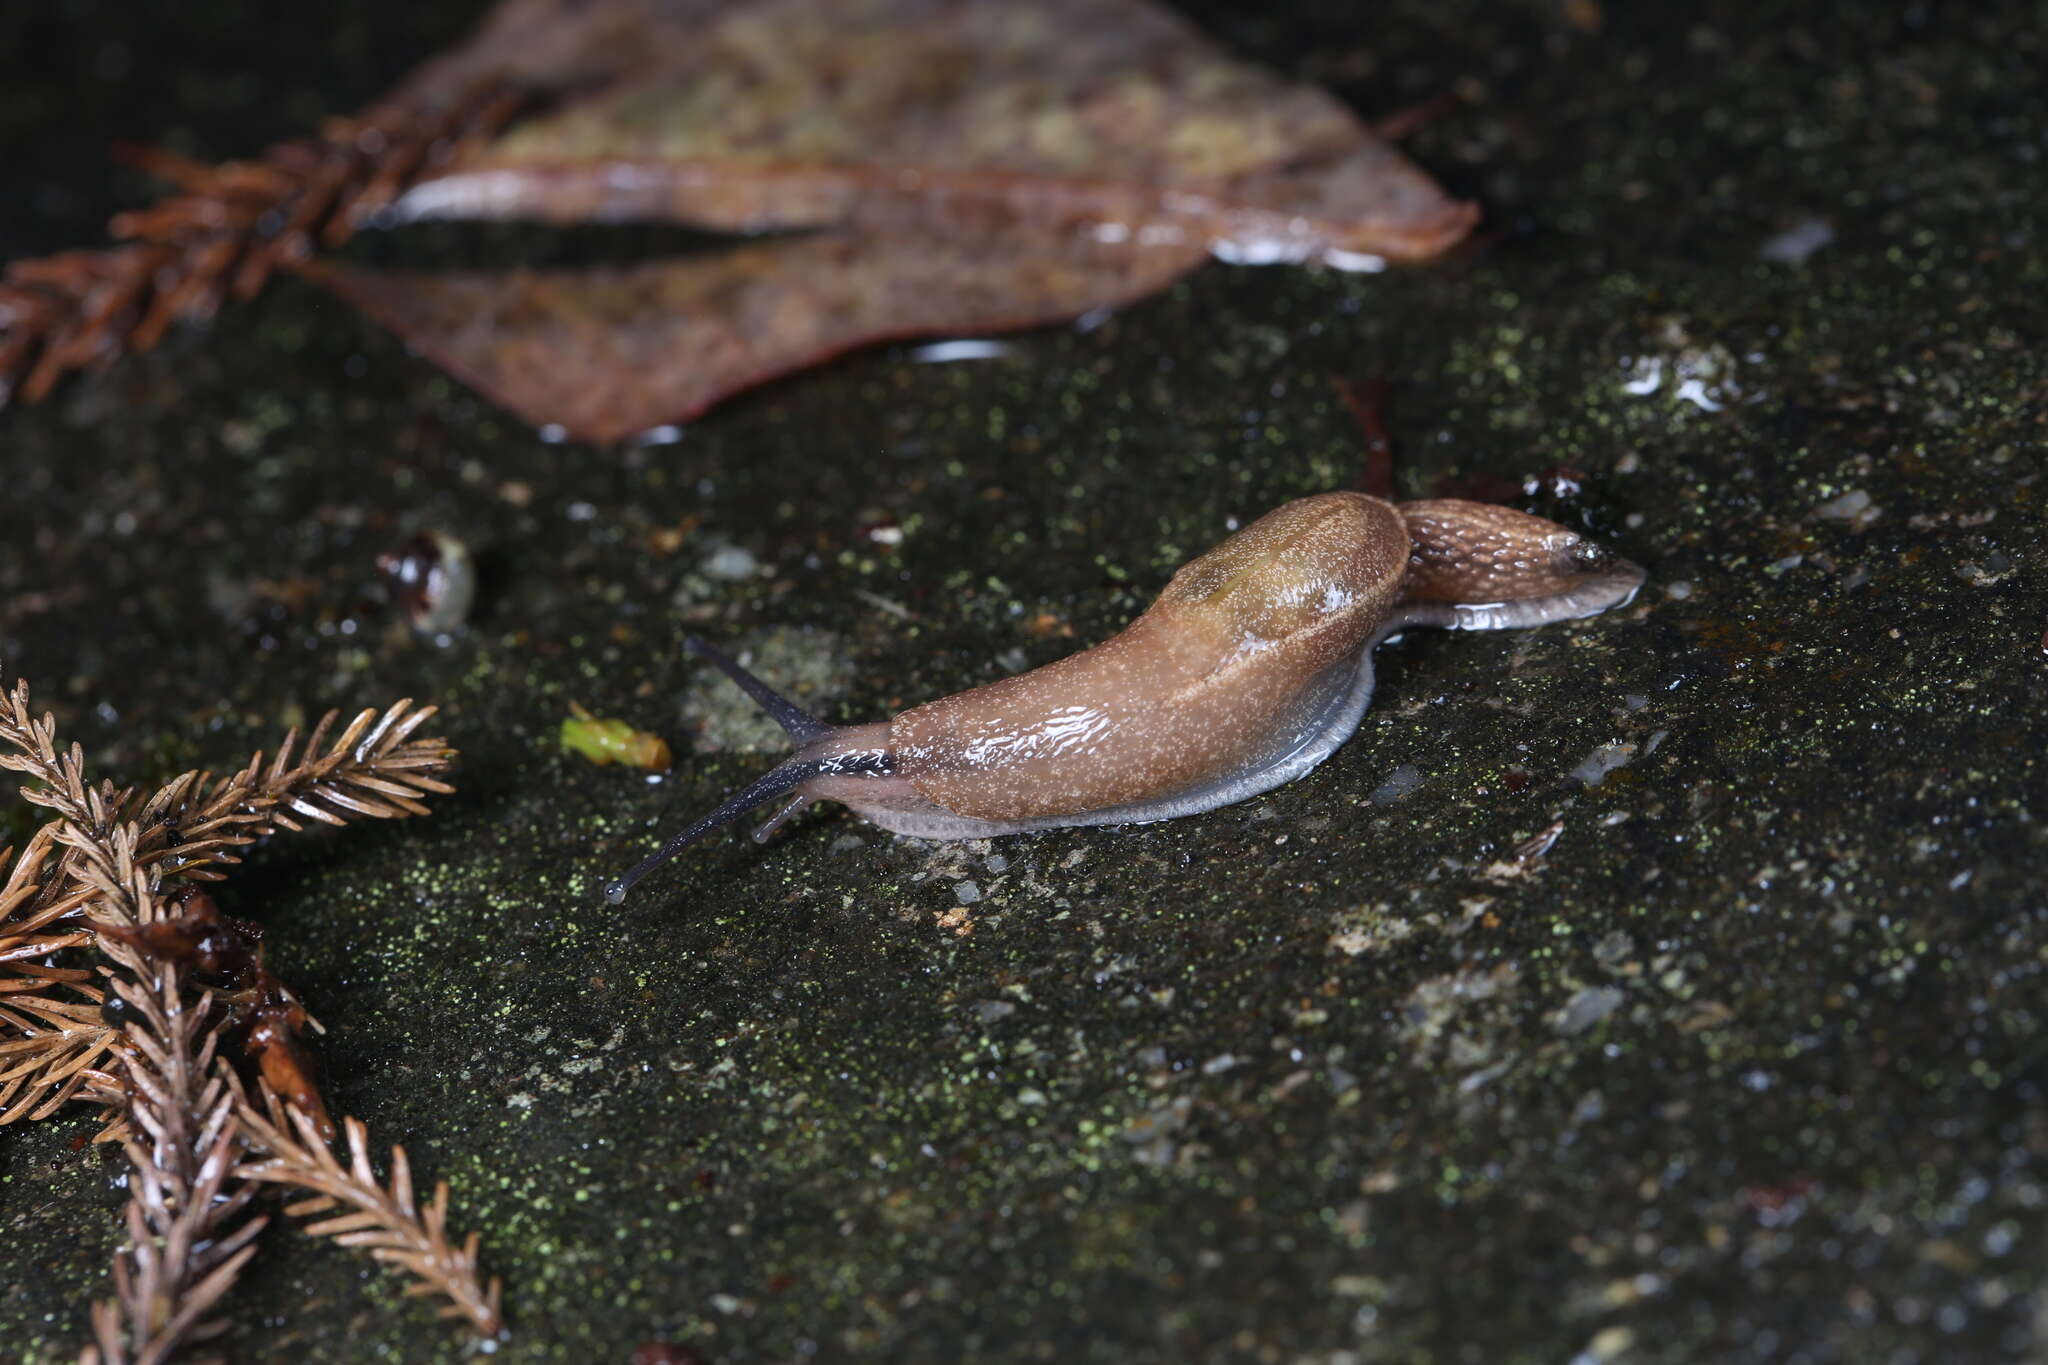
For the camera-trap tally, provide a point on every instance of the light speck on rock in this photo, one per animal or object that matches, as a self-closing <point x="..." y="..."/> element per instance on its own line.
<point x="967" y="892"/>
<point x="731" y="562"/>
<point x="1701" y="373"/>
<point x="1853" y="509"/>
<point x="1614" y="949"/>
<point x="1401" y="782"/>
<point x="1602" y="761"/>
<point x="1609" y="1343"/>
<point x="1987" y="572"/>
<point x="1485" y="1076"/>
<point x="1586" y="1009"/>
<point x="1796" y="243"/>
<point x="1158" y="1122"/>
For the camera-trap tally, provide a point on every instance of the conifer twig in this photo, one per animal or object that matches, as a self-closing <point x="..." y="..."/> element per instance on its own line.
<point x="384" y="1218"/>
<point x="49" y="1043"/>
<point x="189" y="1233"/>
<point x="373" y="769"/>
<point x="61" y="773"/>
<point x="104" y="873"/>
<point x="223" y="235"/>
<point x="51" y="1033"/>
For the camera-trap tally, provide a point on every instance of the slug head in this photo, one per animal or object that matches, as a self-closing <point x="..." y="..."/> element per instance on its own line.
<point x="1479" y="566"/>
<point x="821" y="753"/>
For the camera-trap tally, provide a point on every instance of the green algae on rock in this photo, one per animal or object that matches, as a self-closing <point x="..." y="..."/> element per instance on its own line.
<point x="1251" y="1086"/>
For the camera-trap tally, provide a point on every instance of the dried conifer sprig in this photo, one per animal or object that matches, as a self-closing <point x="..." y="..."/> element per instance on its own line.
<point x="51" y="1043"/>
<point x="28" y="916"/>
<point x="224" y="234"/>
<point x="97" y="876"/>
<point x="382" y="1218"/>
<point x="373" y="769"/>
<point x="189" y="1229"/>
<point x="63" y="788"/>
<point x="55" y="1039"/>
<point x="52" y="1036"/>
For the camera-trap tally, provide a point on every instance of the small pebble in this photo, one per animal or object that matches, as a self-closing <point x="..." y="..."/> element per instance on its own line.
<point x="1587" y="1008"/>
<point x="1796" y="243"/>
<point x="1401" y="782"/>
<point x="1602" y="761"/>
<point x="1853" y="508"/>
<point x="731" y="562"/>
<point x="432" y="579"/>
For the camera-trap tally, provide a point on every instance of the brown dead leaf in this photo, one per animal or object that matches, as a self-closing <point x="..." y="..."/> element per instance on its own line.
<point x="1111" y="118"/>
<point x="967" y="167"/>
<point x="930" y="166"/>
<point x="607" y="353"/>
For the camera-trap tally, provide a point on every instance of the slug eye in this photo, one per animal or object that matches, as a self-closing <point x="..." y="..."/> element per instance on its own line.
<point x="1584" y="556"/>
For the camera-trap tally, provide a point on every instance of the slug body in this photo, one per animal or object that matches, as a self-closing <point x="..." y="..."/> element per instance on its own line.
<point x="1252" y="666"/>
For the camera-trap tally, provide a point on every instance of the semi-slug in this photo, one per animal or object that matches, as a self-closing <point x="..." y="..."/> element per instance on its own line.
<point x="1254" y="664"/>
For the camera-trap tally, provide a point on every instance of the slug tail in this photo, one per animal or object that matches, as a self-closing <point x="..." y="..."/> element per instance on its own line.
<point x="801" y="725"/>
<point x="773" y="783"/>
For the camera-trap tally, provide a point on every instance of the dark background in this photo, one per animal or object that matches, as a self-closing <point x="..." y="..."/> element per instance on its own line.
<point x="1748" y="1069"/>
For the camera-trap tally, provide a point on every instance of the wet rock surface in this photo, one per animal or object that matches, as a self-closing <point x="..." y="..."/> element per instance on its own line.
<point x="1745" y="1065"/>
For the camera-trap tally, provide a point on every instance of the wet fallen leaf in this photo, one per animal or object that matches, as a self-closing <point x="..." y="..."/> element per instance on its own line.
<point x="607" y="353"/>
<point x="929" y="166"/>
<point x="960" y="167"/>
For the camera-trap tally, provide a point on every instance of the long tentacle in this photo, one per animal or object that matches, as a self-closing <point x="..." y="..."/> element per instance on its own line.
<point x="772" y="783"/>
<point x="784" y="816"/>
<point x="803" y="727"/>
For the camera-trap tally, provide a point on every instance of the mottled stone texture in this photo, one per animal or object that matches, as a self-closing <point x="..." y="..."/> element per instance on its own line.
<point x="1747" y="1067"/>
